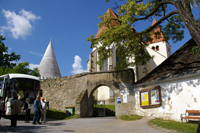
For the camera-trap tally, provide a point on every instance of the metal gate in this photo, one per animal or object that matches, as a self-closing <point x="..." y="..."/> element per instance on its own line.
<point x="99" y="108"/>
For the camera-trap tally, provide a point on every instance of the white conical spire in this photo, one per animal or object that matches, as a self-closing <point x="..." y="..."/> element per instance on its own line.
<point x="48" y="66"/>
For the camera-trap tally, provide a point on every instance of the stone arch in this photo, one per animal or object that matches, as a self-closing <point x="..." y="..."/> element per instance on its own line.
<point x="110" y="84"/>
<point x="101" y="83"/>
<point x="76" y="90"/>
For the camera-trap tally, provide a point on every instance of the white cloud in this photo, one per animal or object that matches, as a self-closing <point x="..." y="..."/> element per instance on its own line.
<point x="19" y="24"/>
<point x="35" y="53"/>
<point x="77" y="67"/>
<point x="32" y="66"/>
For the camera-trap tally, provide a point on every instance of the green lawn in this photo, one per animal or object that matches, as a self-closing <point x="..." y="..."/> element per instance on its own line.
<point x="130" y="117"/>
<point x="112" y="107"/>
<point x="173" y="125"/>
<point x="61" y="115"/>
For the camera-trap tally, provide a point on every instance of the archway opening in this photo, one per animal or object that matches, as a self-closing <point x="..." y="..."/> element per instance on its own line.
<point x="104" y="101"/>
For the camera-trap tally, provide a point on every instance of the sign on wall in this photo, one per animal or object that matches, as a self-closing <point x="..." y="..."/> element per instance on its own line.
<point x="118" y="100"/>
<point x="150" y="97"/>
<point x="155" y="96"/>
<point x="144" y="98"/>
<point x="124" y="92"/>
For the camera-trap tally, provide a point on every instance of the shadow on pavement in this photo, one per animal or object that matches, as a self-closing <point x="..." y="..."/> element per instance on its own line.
<point x="21" y="129"/>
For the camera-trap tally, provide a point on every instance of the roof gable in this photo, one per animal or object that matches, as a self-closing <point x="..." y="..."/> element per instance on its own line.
<point x="154" y="38"/>
<point x="114" y="15"/>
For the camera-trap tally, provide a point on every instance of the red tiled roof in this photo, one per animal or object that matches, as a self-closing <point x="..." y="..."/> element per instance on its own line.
<point x="154" y="37"/>
<point x="114" y="15"/>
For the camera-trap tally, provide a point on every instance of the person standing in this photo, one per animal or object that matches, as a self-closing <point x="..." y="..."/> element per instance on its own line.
<point x="27" y="110"/>
<point x="198" y="127"/>
<point x="1" y="106"/>
<point x="16" y="106"/>
<point x="37" y="111"/>
<point x="43" y="111"/>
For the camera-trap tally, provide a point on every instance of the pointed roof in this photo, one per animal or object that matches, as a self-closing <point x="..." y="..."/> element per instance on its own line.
<point x="157" y="29"/>
<point x="48" y="66"/>
<point x="114" y="15"/>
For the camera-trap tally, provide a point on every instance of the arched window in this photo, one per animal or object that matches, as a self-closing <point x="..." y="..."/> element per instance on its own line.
<point x="157" y="48"/>
<point x="153" y="48"/>
<point x="117" y="57"/>
<point x="105" y="65"/>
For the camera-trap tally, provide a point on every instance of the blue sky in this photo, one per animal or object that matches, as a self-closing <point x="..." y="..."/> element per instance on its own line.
<point x="28" y="26"/>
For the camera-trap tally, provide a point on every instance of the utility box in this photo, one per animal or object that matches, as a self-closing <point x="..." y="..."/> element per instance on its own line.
<point x="70" y="110"/>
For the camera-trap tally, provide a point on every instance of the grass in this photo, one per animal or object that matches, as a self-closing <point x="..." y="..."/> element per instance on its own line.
<point x="160" y="123"/>
<point x="61" y="115"/>
<point x="173" y="125"/>
<point x="130" y="117"/>
<point x="112" y="107"/>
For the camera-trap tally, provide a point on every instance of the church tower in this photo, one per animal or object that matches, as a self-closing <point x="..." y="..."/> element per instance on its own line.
<point x="48" y="66"/>
<point x="159" y="48"/>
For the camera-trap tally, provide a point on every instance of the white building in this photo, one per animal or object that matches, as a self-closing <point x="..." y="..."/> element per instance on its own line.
<point x="171" y="88"/>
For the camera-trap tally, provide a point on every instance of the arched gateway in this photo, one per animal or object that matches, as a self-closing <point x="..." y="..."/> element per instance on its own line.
<point x="77" y="91"/>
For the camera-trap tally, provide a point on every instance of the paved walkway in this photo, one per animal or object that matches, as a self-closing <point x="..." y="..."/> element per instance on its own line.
<point x="81" y="125"/>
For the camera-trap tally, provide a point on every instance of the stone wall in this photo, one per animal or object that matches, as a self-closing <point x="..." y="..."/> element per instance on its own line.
<point x="62" y="92"/>
<point x="77" y="90"/>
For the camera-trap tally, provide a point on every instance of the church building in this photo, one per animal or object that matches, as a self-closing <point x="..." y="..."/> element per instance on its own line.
<point x="158" y="48"/>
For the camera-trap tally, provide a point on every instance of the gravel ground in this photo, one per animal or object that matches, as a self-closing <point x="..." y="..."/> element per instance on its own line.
<point x="82" y="125"/>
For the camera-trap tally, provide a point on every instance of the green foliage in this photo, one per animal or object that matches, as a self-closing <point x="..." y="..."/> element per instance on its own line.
<point x="172" y="30"/>
<point x="196" y="51"/>
<point x="131" y="44"/>
<point x="173" y="125"/>
<point x="35" y="72"/>
<point x="8" y="62"/>
<point x="22" y="68"/>
<point x="6" y="59"/>
<point x="130" y="117"/>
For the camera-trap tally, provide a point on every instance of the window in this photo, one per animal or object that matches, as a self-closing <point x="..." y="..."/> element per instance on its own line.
<point x="157" y="48"/>
<point x="150" y="97"/>
<point x="153" y="48"/>
<point x="98" y="67"/>
<point x="117" y="56"/>
<point x="105" y="65"/>
<point x="1" y="86"/>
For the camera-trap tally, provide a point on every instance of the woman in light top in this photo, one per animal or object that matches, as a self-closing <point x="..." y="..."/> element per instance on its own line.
<point x="44" y="105"/>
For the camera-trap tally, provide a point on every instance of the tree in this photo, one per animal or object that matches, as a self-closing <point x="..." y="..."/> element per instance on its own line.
<point x="8" y="62"/>
<point x="35" y="72"/>
<point x="21" y="67"/>
<point x="6" y="59"/>
<point x="175" y="14"/>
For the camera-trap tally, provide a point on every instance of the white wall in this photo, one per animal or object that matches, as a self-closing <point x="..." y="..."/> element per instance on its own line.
<point x="164" y="48"/>
<point x="177" y="96"/>
<point x="103" y="93"/>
